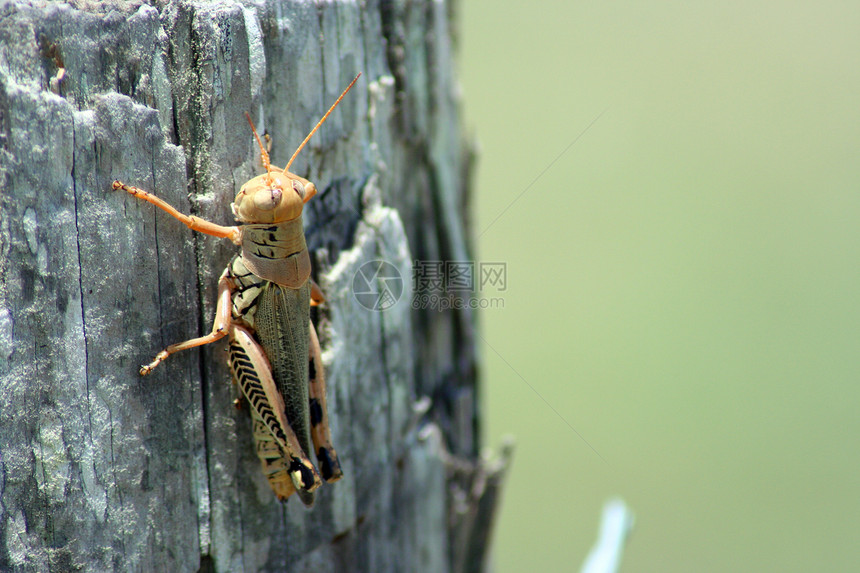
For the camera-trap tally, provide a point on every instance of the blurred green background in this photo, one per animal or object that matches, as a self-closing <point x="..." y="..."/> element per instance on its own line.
<point x="683" y="282"/>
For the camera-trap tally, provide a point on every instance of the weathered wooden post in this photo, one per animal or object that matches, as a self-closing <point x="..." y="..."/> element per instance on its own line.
<point x="101" y="469"/>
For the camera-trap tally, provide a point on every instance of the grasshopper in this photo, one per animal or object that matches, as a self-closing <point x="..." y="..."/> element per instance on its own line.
<point x="264" y="299"/>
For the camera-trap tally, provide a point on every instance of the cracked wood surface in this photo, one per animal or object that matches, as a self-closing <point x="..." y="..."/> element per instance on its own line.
<point x="101" y="469"/>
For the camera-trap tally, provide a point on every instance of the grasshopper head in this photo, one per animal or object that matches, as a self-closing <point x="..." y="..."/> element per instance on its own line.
<point x="277" y="195"/>
<point x="273" y="197"/>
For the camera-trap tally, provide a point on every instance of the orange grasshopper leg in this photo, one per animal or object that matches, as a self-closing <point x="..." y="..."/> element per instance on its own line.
<point x="275" y="466"/>
<point x="192" y="222"/>
<point x="317" y="297"/>
<point x="277" y="445"/>
<point x="320" y="430"/>
<point x="219" y="328"/>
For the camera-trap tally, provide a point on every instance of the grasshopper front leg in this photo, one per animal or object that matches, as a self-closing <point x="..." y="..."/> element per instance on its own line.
<point x="219" y="328"/>
<point x="192" y="222"/>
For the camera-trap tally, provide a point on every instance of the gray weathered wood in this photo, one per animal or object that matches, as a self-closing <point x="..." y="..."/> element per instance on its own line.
<point x="101" y="469"/>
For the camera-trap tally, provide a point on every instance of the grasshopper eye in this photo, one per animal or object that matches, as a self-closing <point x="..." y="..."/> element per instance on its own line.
<point x="299" y="188"/>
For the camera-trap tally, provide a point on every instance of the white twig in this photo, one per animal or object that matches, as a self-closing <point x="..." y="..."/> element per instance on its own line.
<point x="615" y="526"/>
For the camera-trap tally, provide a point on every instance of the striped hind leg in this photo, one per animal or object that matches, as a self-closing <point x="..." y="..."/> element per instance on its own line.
<point x="320" y="430"/>
<point x="252" y="372"/>
<point x="272" y="458"/>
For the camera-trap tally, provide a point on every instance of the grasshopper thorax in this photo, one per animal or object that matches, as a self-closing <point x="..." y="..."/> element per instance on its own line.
<point x="273" y="197"/>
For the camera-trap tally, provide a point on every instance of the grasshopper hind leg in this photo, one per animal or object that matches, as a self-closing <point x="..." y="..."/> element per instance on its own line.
<point x="272" y="458"/>
<point x="320" y="430"/>
<point x="278" y="447"/>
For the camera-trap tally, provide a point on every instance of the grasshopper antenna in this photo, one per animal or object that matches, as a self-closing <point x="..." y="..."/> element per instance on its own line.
<point x="320" y="122"/>
<point x="264" y="155"/>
